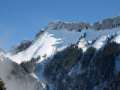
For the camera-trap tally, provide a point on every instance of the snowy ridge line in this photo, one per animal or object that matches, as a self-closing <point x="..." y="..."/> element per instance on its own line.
<point x="56" y="40"/>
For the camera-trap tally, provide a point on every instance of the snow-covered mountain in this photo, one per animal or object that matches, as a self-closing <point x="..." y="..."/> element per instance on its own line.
<point x="65" y="56"/>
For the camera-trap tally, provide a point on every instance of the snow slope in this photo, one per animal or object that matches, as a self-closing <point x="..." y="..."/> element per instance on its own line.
<point x="51" y="41"/>
<point x="46" y="45"/>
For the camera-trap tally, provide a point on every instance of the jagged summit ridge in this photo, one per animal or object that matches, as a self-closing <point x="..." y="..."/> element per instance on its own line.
<point x="107" y="23"/>
<point x="78" y="26"/>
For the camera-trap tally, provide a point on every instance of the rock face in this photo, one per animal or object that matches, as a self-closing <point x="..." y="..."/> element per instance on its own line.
<point x="22" y="46"/>
<point x="77" y="26"/>
<point x="108" y="23"/>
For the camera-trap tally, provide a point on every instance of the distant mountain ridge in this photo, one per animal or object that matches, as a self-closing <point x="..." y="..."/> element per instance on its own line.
<point x="107" y="23"/>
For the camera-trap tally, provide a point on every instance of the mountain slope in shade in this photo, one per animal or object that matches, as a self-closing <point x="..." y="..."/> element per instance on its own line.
<point x="94" y="69"/>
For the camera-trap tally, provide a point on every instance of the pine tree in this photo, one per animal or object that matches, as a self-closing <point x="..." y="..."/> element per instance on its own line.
<point x="2" y="85"/>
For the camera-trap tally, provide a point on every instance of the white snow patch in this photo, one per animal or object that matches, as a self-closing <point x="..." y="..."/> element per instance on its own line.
<point x="100" y="42"/>
<point x="117" y="39"/>
<point x="83" y="44"/>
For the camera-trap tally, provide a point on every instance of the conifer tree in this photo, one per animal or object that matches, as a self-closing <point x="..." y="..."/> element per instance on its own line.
<point x="2" y="85"/>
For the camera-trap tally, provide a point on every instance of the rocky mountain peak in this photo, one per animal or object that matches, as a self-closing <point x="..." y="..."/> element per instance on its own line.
<point x="107" y="23"/>
<point x="77" y="26"/>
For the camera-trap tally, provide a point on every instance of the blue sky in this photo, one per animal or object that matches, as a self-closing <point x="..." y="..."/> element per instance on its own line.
<point x="21" y="19"/>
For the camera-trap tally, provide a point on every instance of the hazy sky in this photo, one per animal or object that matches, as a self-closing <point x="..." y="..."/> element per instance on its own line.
<point x="21" y="19"/>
